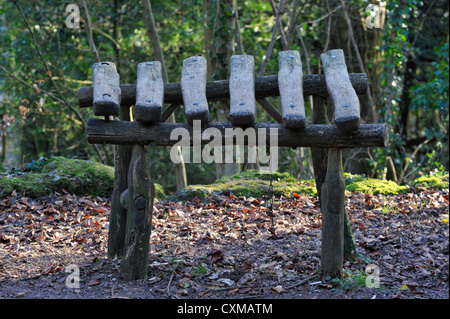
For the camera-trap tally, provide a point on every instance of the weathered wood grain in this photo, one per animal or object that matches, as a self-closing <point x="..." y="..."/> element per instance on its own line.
<point x="118" y="214"/>
<point x="315" y="135"/>
<point x="193" y="89"/>
<point x="106" y="89"/>
<point x="149" y="92"/>
<point x="290" y="83"/>
<point x="343" y="95"/>
<point x="141" y="192"/>
<point x="242" y="90"/>
<point x="332" y="205"/>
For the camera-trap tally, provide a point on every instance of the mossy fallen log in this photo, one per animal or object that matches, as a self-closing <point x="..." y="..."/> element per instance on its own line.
<point x="75" y="176"/>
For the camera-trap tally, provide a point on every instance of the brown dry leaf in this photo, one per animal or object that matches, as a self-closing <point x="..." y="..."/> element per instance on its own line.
<point x="36" y="88"/>
<point x="94" y="282"/>
<point x="216" y="256"/>
<point x="20" y="294"/>
<point x="278" y="289"/>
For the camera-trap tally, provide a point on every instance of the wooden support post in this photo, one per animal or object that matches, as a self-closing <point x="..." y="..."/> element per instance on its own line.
<point x="242" y="90"/>
<point x="350" y="251"/>
<point x="149" y="92"/>
<point x="141" y="191"/>
<point x="290" y="82"/>
<point x="118" y="215"/>
<point x="270" y="109"/>
<point x="332" y="208"/>
<point x="106" y="91"/>
<point x="193" y="88"/>
<point x="341" y="91"/>
<point x="320" y="160"/>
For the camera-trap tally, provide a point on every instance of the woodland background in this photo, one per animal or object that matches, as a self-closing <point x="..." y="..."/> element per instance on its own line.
<point x="43" y="62"/>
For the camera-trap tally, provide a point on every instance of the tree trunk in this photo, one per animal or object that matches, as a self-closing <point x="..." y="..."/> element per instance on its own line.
<point x="4" y="145"/>
<point x="224" y="42"/>
<point x="180" y="169"/>
<point x="116" y="47"/>
<point x="408" y="78"/>
<point x="208" y="28"/>
<point x="153" y="36"/>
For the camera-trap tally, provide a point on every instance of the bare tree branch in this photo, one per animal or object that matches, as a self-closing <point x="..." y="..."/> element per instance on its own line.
<point x="153" y="35"/>
<point x="305" y="50"/>
<point x="272" y="41"/>
<point x="89" y="33"/>
<point x="48" y="72"/>
<point x="422" y="22"/>
<point x="239" y="44"/>
<point x="47" y="69"/>
<point x="372" y="116"/>
<point x="180" y="168"/>
<point x="405" y="168"/>
<point x="327" y="42"/>
<point x="30" y="86"/>
<point x="321" y="18"/>
<point x="280" y="27"/>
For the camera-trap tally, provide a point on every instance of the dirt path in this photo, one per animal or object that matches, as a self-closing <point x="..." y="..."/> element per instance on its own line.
<point x="226" y="247"/>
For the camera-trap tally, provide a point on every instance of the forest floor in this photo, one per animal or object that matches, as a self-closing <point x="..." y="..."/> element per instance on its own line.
<point x="227" y="247"/>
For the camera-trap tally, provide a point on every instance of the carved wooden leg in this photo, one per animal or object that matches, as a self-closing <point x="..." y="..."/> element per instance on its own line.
<point x="118" y="217"/>
<point x="141" y="191"/>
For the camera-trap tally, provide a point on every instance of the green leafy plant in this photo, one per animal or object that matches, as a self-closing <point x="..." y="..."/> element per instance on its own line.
<point x="36" y="166"/>
<point x="199" y="270"/>
<point x="351" y="281"/>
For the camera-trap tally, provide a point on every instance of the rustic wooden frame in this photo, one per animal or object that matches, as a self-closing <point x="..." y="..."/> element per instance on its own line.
<point x="132" y="200"/>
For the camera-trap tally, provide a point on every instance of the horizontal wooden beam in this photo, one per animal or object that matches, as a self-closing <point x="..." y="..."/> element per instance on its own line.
<point x="266" y="86"/>
<point x="316" y="135"/>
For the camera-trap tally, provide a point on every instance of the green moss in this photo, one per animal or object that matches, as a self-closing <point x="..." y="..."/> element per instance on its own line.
<point x="432" y="182"/>
<point x="34" y="185"/>
<point x="159" y="192"/>
<point x="356" y="183"/>
<point x="253" y="174"/>
<point x="249" y="183"/>
<point x="76" y="176"/>
<point x="80" y="176"/>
